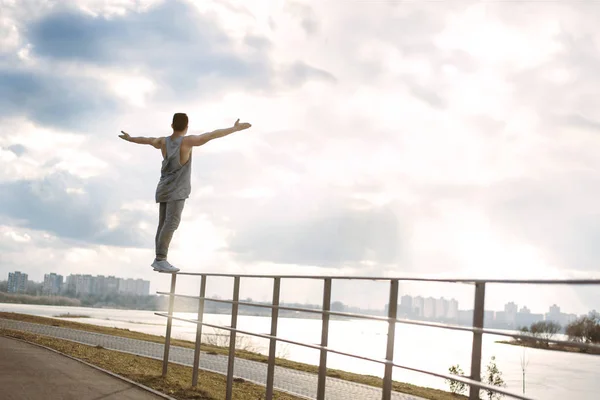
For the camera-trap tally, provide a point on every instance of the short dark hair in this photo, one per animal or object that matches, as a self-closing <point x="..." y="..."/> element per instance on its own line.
<point x="180" y="121"/>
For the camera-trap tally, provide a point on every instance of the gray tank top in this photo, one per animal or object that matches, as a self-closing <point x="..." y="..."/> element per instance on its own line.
<point x="175" y="179"/>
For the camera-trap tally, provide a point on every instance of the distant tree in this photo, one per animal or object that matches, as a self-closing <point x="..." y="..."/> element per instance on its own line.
<point x="338" y="306"/>
<point x="585" y="329"/>
<point x="545" y="330"/>
<point x="493" y="377"/>
<point x="3" y="286"/>
<point x="456" y="387"/>
<point x="524" y="331"/>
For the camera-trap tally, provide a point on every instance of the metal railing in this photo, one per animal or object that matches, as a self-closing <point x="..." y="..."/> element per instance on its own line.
<point x="477" y="329"/>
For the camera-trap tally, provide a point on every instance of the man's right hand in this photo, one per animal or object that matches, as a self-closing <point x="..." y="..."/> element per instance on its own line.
<point x="125" y="136"/>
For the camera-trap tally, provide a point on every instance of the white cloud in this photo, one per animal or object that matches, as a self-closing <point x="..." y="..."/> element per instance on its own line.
<point x="16" y="237"/>
<point x="499" y="45"/>
<point x="134" y="89"/>
<point x="440" y="115"/>
<point x="47" y="151"/>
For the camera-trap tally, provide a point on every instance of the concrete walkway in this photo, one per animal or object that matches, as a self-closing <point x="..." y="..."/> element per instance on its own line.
<point x="299" y="383"/>
<point x="30" y="372"/>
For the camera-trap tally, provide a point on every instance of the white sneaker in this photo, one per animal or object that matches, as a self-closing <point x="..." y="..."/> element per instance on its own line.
<point x="163" y="266"/>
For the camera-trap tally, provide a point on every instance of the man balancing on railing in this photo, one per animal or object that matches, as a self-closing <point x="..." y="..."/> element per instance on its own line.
<point x="174" y="186"/>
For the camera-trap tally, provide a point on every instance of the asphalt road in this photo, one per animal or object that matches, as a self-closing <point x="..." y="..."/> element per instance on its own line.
<point x="30" y="372"/>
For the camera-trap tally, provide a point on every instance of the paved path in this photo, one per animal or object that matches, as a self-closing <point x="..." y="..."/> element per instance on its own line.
<point x="30" y="372"/>
<point x="300" y="383"/>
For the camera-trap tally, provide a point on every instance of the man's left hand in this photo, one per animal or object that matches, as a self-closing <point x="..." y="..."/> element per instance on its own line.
<point x="241" y="125"/>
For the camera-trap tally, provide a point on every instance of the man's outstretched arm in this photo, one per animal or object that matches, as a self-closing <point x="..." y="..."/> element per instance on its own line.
<point x="154" y="142"/>
<point x="199" y="140"/>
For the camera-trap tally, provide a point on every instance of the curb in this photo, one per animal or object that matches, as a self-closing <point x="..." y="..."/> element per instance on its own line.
<point x="122" y="378"/>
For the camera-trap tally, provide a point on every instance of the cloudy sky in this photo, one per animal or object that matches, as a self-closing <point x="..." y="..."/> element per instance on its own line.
<point x="389" y="138"/>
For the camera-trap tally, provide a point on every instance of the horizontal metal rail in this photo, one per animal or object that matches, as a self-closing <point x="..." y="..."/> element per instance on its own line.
<point x="408" y="279"/>
<point x="524" y="337"/>
<point x="477" y="329"/>
<point x="468" y="381"/>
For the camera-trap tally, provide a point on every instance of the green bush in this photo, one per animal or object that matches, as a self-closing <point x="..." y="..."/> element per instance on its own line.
<point x="456" y="387"/>
<point x="493" y="377"/>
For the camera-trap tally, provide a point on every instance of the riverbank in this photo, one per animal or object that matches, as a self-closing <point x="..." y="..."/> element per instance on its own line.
<point x="550" y="346"/>
<point x="11" y="298"/>
<point x="155" y="303"/>
<point x="115" y="301"/>
<point x="424" y="392"/>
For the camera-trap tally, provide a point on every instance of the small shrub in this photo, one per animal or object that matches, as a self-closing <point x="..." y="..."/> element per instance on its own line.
<point x="456" y="387"/>
<point x="493" y="377"/>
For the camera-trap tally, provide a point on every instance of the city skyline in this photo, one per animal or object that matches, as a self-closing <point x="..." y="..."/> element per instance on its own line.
<point x="80" y="284"/>
<point x="429" y="308"/>
<point x="429" y="304"/>
<point x="442" y="309"/>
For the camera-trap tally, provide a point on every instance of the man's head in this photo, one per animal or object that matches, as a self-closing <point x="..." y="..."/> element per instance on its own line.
<point x="180" y="122"/>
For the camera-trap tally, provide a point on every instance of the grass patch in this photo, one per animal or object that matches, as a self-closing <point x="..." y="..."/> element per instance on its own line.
<point x="148" y="371"/>
<point x="67" y="315"/>
<point x="550" y="346"/>
<point x="427" y="393"/>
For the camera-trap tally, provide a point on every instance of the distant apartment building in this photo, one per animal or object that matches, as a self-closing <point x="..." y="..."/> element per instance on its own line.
<point x="136" y="287"/>
<point x="510" y="313"/>
<point x="80" y="284"/>
<point x="525" y="318"/>
<point x="17" y="282"/>
<point x="554" y="314"/>
<point x="52" y="285"/>
<point x="441" y="308"/>
<point x="418" y="306"/>
<point x="452" y="312"/>
<point x="103" y="285"/>
<point x="429" y="308"/>
<point x="406" y="309"/>
<point x="507" y="317"/>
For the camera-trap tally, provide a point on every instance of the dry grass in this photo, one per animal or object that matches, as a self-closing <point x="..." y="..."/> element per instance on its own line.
<point x="427" y="393"/>
<point x="148" y="372"/>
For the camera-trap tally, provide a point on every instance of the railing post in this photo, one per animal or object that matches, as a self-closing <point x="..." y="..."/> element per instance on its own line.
<point x="478" y="316"/>
<point x="199" y="332"/>
<point x="169" y="324"/>
<point x="273" y="342"/>
<point x="232" y="336"/>
<point x="324" y="339"/>
<point x="391" y="337"/>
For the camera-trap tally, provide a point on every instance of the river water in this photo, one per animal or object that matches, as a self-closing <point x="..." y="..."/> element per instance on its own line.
<point x="548" y="374"/>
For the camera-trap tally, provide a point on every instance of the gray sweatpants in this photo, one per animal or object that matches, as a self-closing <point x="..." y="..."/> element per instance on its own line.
<point x="169" y="217"/>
